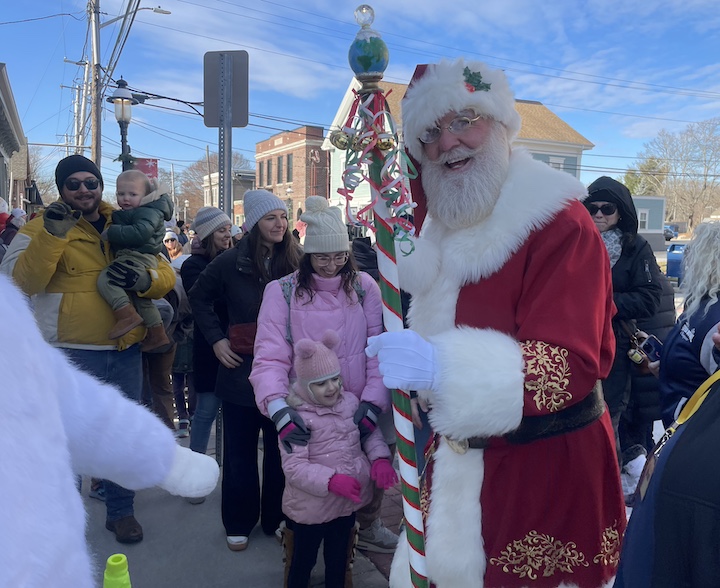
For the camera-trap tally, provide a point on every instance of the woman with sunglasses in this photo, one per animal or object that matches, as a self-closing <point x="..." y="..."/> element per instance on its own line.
<point x="237" y="279"/>
<point x="636" y="283"/>
<point x="326" y="293"/>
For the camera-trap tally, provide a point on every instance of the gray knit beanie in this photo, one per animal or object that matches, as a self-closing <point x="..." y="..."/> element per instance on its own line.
<point x="208" y="220"/>
<point x="258" y="203"/>
<point x="325" y="232"/>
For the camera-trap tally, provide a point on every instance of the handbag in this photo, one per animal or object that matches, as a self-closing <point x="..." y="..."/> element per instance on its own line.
<point x="242" y="338"/>
<point x="636" y="354"/>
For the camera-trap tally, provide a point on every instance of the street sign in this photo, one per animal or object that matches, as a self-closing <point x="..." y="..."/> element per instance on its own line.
<point x="213" y="81"/>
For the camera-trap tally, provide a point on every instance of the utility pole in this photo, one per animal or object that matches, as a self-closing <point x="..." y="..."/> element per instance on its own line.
<point x="96" y="99"/>
<point x="172" y="188"/>
<point x="207" y="159"/>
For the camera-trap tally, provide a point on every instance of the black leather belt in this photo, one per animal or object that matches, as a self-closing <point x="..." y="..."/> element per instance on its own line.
<point x="532" y="428"/>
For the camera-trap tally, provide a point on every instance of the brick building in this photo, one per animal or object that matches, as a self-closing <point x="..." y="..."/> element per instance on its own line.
<point x="293" y="166"/>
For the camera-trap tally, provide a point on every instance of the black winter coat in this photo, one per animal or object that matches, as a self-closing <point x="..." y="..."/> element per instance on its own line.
<point x="229" y="278"/>
<point x="205" y="364"/>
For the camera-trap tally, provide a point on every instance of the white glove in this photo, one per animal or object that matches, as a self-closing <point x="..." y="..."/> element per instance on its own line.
<point x="192" y="474"/>
<point x="407" y="361"/>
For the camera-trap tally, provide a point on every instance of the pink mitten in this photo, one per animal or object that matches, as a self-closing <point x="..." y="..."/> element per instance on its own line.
<point x="383" y="474"/>
<point x="345" y="486"/>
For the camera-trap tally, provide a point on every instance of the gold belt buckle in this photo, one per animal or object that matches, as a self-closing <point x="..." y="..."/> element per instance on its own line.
<point x="459" y="447"/>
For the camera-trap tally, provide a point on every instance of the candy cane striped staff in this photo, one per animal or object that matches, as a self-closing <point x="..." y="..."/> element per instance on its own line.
<point x="371" y="142"/>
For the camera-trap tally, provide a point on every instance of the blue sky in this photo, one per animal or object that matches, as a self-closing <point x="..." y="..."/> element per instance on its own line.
<point x="618" y="71"/>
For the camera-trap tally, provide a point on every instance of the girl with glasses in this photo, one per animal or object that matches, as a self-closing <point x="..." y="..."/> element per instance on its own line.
<point x="326" y="293"/>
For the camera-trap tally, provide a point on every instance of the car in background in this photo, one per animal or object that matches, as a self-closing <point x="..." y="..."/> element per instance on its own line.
<point x="675" y="253"/>
<point x="668" y="233"/>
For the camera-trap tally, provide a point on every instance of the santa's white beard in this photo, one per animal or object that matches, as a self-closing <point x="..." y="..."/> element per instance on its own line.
<point x="463" y="198"/>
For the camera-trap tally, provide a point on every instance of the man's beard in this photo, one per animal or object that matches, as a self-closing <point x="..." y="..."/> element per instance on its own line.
<point x="462" y="198"/>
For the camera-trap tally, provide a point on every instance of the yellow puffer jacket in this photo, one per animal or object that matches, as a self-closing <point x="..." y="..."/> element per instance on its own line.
<point x="61" y="277"/>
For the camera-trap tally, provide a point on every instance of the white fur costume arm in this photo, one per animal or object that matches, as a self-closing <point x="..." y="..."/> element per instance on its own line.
<point x="480" y="385"/>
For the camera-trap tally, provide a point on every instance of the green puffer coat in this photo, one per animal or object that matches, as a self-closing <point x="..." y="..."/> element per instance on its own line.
<point x="141" y="229"/>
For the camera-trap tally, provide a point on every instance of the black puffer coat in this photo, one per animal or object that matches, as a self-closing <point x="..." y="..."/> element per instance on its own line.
<point x="636" y="286"/>
<point x="230" y="278"/>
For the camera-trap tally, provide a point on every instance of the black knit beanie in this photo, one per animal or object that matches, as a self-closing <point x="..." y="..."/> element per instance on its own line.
<point x="73" y="164"/>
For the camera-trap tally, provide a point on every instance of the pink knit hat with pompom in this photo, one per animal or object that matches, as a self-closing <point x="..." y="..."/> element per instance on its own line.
<point x="315" y="361"/>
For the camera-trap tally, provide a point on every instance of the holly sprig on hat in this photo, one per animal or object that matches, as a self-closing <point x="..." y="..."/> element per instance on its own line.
<point x="473" y="81"/>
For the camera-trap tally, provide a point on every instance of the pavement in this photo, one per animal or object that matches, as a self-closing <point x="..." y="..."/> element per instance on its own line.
<point x="184" y="545"/>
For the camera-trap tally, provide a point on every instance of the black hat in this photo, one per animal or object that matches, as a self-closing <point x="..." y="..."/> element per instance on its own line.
<point x="73" y="164"/>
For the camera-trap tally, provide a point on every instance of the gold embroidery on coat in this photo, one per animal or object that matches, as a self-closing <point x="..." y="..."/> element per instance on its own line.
<point x="539" y="553"/>
<point x="610" y="547"/>
<point x="548" y="374"/>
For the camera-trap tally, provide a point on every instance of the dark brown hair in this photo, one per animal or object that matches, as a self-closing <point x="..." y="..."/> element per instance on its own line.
<point x="285" y="256"/>
<point x="348" y="274"/>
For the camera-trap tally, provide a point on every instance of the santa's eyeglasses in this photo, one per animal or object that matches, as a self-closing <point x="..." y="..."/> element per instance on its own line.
<point x="74" y="184"/>
<point x="457" y="126"/>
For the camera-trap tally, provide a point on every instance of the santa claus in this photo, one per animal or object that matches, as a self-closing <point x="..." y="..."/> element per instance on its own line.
<point x="510" y="333"/>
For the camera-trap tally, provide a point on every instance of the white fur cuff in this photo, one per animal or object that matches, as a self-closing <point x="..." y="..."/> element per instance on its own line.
<point x="481" y="383"/>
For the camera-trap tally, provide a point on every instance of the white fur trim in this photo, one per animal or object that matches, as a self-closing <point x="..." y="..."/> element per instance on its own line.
<point x="454" y="546"/>
<point x="418" y="270"/>
<point x="481" y="383"/>
<point x="441" y="89"/>
<point x="400" y="567"/>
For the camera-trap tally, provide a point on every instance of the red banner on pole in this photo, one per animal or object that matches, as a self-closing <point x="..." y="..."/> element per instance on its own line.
<point x="147" y="166"/>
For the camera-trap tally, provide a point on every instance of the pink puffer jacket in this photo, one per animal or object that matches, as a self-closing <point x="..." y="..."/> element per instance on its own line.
<point x="331" y="308"/>
<point x="334" y="448"/>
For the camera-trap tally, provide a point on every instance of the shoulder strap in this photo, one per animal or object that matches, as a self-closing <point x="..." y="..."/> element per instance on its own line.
<point x="697" y="399"/>
<point x="287" y="283"/>
<point x="359" y="291"/>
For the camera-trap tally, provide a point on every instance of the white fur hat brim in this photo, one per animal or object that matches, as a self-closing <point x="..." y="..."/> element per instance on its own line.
<point x="437" y="89"/>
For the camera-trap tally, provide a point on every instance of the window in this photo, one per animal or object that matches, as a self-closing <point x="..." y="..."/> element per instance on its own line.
<point x="269" y="173"/>
<point x="289" y="167"/>
<point x="642" y="219"/>
<point x="280" y="170"/>
<point x="557" y="162"/>
<point x="261" y="176"/>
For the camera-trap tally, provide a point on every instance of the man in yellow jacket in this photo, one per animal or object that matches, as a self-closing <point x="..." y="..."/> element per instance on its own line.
<point x="56" y="259"/>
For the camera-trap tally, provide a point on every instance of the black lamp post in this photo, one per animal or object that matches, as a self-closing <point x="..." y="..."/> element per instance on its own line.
<point x="123" y="100"/>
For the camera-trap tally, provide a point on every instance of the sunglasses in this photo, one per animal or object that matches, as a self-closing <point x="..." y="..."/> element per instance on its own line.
<point x="168" y="240"/>
<point x="606" y="209"/>
<point x="73" y="184"/>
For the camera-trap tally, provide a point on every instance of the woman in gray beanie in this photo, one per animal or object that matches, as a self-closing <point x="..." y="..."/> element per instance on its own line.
<point x="237" y="279"/>
<point x="327" y="292"/>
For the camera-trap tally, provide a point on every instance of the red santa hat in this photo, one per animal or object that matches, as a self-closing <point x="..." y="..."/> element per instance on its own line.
<point x="447" y="86"/>
<point x="452" y="86"/>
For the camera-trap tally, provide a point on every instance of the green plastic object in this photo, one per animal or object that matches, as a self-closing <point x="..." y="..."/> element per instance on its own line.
<point x="117" y="574"/>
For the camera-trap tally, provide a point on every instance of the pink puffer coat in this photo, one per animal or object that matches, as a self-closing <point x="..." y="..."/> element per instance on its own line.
<point x="331" y="308"/>
<point x="334" y="448"/>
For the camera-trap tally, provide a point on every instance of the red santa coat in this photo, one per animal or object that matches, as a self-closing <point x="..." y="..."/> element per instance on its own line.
<point x="518" y="308"/>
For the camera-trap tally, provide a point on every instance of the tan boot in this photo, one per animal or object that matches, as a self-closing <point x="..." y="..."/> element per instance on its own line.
<point x="288" y="543"/>
<point x="352" y="544"/>
<point x="126" y="319"/>
<point x="156" y="337"/>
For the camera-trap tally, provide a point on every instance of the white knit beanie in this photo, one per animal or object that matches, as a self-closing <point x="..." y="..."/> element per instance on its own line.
<point x="325" y="232"/>
<point x="258" y="203"/>
<point x="454" y="86"/>
<point x="208" y="220"/>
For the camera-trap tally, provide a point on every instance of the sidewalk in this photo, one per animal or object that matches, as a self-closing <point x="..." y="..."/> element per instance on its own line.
<point x="184" y="546"/>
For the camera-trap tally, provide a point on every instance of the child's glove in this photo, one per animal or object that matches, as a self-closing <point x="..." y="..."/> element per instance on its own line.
<point x="406" y="360"/>
<point x="383" y="474"/>
<point x="193" y="475"/>
<point x="291" y="428"/>
<point x="59" y="218"/>
<point x="366" y="417"/>
<point x="345" y="486"/>
<point x="129" y="275"/>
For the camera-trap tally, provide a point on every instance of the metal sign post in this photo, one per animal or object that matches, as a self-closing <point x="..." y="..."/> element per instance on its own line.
<point x="226" y="106"/>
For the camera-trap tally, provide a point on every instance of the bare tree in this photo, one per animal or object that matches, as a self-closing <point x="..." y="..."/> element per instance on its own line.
<point x="45" y="182"/>
<point x="191" y="182"/>
<point x="685" y="168"/>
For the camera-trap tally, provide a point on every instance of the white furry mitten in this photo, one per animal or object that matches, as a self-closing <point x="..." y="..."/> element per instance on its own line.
<point x="192" y="474"/>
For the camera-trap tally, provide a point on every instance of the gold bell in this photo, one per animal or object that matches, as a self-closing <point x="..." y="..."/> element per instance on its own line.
<point x="340" y="139"/>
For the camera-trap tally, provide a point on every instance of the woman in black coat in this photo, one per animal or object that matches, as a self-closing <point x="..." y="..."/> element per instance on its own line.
<point x="238" y="278"/>
<point x="636" y="282"/>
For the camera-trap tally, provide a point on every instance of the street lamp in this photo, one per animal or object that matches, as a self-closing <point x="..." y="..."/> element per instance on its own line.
<point x="187" y="203"/>
<point x="123" y="100"/>
<point x="156" y="9"/>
